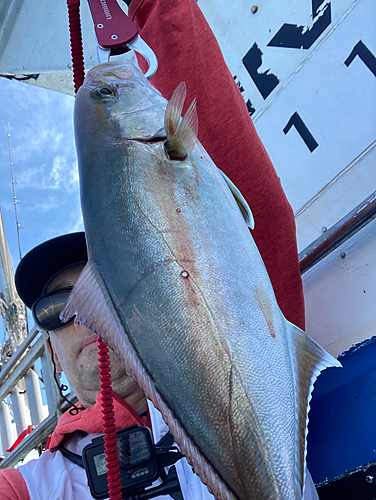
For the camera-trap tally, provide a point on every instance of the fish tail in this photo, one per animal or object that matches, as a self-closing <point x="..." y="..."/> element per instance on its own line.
<point x="310" y="359"/>
<point x="181" y="137"/>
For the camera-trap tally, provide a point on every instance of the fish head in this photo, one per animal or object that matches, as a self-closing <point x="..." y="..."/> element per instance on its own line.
<point x="117" y="103"/>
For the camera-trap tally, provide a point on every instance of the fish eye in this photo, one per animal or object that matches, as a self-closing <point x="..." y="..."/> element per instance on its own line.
<point x="104" y="92"/>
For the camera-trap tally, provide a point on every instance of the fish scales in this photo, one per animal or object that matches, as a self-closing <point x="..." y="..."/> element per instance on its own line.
<point x="198" y="325"/>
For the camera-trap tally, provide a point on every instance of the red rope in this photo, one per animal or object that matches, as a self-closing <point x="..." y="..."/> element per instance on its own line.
<point x="108" y="415"/>
<point x="76" y="43"/>
<point x="109" y="428"/>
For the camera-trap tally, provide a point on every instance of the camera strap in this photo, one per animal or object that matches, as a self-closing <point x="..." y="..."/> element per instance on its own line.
<point x="73" y="457"/>
<point x="166" y="441"/>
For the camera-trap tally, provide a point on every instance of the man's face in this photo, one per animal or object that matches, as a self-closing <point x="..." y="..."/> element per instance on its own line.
<point x="76" y="353"/>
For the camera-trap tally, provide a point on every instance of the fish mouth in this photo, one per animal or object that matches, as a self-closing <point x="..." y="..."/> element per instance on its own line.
<point x="159" y="136"/>
<point x="149" y="140"/>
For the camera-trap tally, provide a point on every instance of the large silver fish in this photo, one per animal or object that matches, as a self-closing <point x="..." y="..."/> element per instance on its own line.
<point x="176" y="285"/>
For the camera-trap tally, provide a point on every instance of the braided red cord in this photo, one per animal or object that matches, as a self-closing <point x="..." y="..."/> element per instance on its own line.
<point x="76" y="43"/>
<point x="109" y="429"/>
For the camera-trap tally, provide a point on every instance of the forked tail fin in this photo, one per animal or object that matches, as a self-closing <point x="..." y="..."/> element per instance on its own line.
<point x="310" y="359"/>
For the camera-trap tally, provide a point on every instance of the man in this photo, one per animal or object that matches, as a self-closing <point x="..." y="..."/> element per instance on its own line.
<point x="44" y="275"/>
<point x="43" y="279"/>
<point x="190" y="53"/>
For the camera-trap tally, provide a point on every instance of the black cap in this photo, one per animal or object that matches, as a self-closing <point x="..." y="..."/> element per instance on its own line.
<point x="45" y="260"/>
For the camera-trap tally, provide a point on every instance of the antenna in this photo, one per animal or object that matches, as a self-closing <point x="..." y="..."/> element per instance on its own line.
<point x="19" y="226"/>
<point x="16" y="202"/>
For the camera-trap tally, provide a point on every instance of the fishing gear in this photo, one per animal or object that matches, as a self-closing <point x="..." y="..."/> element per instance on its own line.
<point x="115" y="32"/>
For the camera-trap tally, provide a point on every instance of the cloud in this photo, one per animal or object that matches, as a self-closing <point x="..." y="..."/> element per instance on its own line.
<point x="45" y="205"/>
<point x="6" y="205"/>
<point x="62" y="176"/>
<point x="45" y="164"/>
<point x="41" y="120"/>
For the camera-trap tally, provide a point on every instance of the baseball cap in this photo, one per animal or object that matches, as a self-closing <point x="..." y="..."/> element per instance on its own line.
<point x="45" y="260"/>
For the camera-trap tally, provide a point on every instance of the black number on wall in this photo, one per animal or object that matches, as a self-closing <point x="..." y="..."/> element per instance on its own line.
<point x="303" y="131"/>
<point x="265" y="82"/>
<point x="297" y="37"/>
<point x="365" y="55"/>
<point x="250" y="108"/>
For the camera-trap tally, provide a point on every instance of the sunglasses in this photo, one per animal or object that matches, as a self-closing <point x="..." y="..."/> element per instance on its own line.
<point x="46" y="310"/>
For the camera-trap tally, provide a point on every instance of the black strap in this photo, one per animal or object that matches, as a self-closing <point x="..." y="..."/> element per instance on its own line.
<point x="73" y="457"/>
<point x="166" y="441"/>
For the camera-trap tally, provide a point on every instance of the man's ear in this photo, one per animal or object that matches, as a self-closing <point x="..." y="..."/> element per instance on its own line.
<point x="53" y="355"/>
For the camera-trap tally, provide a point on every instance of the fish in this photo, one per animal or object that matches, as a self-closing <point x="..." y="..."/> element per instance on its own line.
<point x="176" y="286"/>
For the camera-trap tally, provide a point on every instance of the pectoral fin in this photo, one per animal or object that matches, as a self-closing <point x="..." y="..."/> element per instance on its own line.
<point x="241" y="202"/>
<point x="180" y="137"/>
<point x="174" y="109"/>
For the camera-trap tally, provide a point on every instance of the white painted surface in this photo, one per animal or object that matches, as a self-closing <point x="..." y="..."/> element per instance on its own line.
<point x="332" y="99"/>
<point x="39" y="40"/>
<point x="34" y="397"/>
<point x="334" y="102"/>
<point x="340" y="294"/>
<point x="7" y="428"/>
<point x="237" y="33"/>
<point x="353" y="185"/>
<point x="34" y="38"/>
<point x="21" y="414"/>
<point x="337" y="103"/>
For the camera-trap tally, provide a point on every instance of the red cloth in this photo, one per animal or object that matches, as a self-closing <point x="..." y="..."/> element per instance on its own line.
<point x="12" y="484"/>
<point x="188" y="51"/>
<point x="90" y="420"/>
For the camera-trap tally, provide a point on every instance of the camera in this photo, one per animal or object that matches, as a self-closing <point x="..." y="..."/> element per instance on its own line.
<point x="140" y="461"/>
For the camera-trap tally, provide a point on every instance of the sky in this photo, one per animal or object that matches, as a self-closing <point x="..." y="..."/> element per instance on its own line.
<point x="45" y="167"/>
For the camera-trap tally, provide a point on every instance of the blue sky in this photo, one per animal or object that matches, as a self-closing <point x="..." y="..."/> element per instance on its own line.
<point x="45" y="165"/>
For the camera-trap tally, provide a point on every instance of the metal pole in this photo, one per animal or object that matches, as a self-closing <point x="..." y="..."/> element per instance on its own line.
<point x="52" y="394"/>
<point x="34" y="397"/>
<point x="19" y="410"/>
<point x="14" y="194"/>
<point x="21" y="351"/>
<point x="355" y="220"/>
<point x="6" y="427"/>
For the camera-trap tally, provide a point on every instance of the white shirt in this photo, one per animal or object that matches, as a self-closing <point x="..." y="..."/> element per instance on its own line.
<point x="54" y="477"/>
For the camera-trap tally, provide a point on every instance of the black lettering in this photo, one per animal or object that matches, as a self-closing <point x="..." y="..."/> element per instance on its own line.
<point x="265" y="82"/>
<point x="364" y="54"/>
<point x="297" y="37"/>
<point x="301" y="127"/>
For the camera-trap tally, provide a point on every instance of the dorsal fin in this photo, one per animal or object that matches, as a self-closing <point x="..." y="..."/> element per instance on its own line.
<point x="241" y="202"/>
<point x="180" y="137"/>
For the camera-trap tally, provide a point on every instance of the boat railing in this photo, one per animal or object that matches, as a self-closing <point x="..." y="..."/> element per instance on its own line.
<point x="27" y="407"/>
